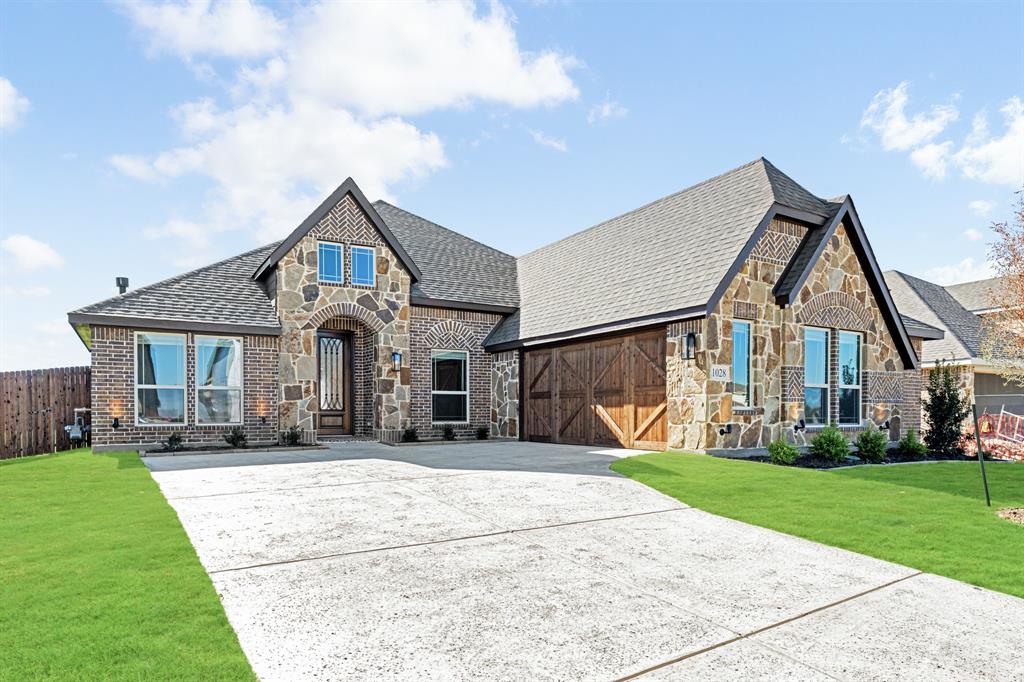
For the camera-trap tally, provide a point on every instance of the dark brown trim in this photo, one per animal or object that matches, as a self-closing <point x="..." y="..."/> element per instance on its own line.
<point x="785" y="298"/>
<point x="176" y="325"/>
<point x="427" y="302"/>
<point x="349" y="377"/>
<point x="347" y="187"/>
<point x="522" y="403"/>
<point x="624" y="326"/>
<point x="730" y="275"/>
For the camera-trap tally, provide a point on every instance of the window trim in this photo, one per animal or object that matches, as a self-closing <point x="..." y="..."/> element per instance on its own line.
<point x="341" y="263"/>
<point x="464" y="353"/>
<point x="828" y="377"/>
<point x="748" y="399"/>
<point x="373" y="262"/>
<point x="136" y="385"/>
<point x="241" y="378"/>
<point x="860" y="377"/>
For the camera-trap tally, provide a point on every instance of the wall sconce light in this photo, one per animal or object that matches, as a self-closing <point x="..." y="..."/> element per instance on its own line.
<point x="396" y="361"/>
<point x="263" y="419"/>
<point x="691" y="346"/>
<point x="725" y="429"/>
<point x="885" y="426"/>
<point x="800" y="426"/>
<point x="116" y="423"/>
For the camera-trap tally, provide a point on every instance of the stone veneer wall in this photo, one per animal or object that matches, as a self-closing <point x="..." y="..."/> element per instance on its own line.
<point x="836" y="295"/>
<point x="113" y="392"/>
<point x="362" y="372"/>
<point x="446" y="329"/>
<point x="305" y="305"/>
<point x="505" y="395"/>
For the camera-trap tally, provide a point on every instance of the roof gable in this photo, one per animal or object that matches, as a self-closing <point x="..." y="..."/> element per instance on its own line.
<point x="348" y="187"/>
<point x="932" y="304"/>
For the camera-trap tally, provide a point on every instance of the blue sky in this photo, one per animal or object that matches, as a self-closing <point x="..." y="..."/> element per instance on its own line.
<point x="145" y="139"/>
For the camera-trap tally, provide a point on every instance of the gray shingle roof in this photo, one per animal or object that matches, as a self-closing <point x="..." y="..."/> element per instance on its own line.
<point x="453" y="266"/>
<point x="983" y="294"/>
<point x="920" y="329"/>
<point x="932" y="304"/>
<point x="223" y="293"/>
<point x="669" y="255"/>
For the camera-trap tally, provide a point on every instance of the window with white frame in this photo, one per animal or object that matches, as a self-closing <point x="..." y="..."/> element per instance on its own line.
<point x="449" y="393"/>
<point x="218" y="380"/>
<point x="330" y="264"/>
<point x="815" y="376"/>
<point x="741" y="364"/>
<point x="849" y="378"/>
<point x="362" y="266"/>
<point x="159" y="378"/>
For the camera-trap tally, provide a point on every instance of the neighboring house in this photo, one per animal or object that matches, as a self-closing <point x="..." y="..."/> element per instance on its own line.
<point x="959" y="311"/>
<point x="730" y="313"/>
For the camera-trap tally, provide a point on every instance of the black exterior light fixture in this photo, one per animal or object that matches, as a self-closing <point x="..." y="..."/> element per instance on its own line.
<point x="263" y="419"/>
<point x="396" y="361"/>
<point x="116" y="423"/>
<point x="884" y="427"/>
<point x="691" y="346"/>
<point x="725" y="429"/>
<point x="800" y="426"/>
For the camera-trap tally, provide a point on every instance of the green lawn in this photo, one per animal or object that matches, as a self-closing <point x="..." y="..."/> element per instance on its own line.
<point x="98" y="579"/>
<point x="928" y="516"/>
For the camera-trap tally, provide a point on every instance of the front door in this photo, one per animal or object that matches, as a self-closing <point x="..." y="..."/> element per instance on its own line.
<point x="334" y="360"/>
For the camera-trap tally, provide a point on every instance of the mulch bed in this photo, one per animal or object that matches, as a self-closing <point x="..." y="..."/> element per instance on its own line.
<point x="1015" y="515"/>
<point x="809" y="461"/>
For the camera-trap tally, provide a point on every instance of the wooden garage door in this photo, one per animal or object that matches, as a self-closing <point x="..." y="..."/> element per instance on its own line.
<point x="605" y="392"/>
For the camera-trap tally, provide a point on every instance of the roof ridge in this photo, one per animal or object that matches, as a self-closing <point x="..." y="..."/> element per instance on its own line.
<point x="175" y="278"/>
<point x="446" y="229"/>
<point x="694" y="186"/>
<point x="777" y="191"/>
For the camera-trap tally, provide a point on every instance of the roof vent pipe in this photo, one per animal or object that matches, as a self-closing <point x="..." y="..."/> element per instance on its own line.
<point x="122" y="284"/>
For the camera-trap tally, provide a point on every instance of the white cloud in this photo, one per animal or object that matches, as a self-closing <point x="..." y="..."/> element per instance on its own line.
<point x="226" y="28"/>
<point x="30" y="254"/>
<point x="413" y="57"/>
<point x="932" y="159"/>
<point x="981" y="207"/>
<point x="293" y="131"/>
<point x="964" y="271"/>
<point x="13" y="106"/>
<point x="886" y="116"/>
<point x="997" y="160"/>
<point x="972" y="234"/>
<point x="606" y="110"/>
<point x="558" y="144"/>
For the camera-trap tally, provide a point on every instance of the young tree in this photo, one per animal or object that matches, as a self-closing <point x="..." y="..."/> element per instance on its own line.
<point x="945" y="410"/>
<point x="1003" y="331"/>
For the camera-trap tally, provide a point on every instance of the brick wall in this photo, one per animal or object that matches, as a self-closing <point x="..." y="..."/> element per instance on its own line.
<point x="113" y="392"/>
<point x="443" y="329"/>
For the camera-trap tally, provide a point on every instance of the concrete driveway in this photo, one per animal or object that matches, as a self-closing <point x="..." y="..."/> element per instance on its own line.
<point x="517" y="561"/>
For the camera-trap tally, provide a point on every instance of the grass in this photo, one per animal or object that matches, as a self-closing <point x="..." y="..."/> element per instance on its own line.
<point x="928" y="516"/>
<point x="99" y="580"/>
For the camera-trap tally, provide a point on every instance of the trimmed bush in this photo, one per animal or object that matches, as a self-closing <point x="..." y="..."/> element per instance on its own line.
<point x="483" y="432"/>
<point x="173" y="442"/>
<point x="871" y="445"/>
<point x="945" y="410"/>
<point x="293" y="436"/>
<point x="410" y="435"/>
<point x="236" y="438"/>
<point x="831" y="444"/>
<point x="448" y="432"/>
<point x="782" y="452"/>
<point x="911" y="446"/>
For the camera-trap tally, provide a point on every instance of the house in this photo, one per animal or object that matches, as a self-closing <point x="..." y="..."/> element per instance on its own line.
<point x="959" y="311"/>
<point x="730" y="313"/>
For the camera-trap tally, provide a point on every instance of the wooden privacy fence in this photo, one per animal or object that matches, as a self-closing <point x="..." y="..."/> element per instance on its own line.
<point x="34" y="407"/>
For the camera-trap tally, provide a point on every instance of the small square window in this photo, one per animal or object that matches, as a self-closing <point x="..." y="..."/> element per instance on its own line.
<point x="362" y="266"/>
<point x="329" y="264"/>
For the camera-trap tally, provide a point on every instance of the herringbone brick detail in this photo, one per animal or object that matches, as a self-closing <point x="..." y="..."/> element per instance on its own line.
<point x="347" y="223"/>
<point x="450" y="334"/>
<point x="836" y="310"/>
<point x="792" y="384"/>
<point x="884" y="387"/>
<point x="779" y="243"/>
<point x="745" y="311"/>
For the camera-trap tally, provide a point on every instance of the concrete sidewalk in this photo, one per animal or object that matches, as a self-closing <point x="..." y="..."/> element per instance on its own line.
<point x="515" y="561"/>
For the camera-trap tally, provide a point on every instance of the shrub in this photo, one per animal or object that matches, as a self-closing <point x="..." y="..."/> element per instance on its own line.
<point x="293" y="436"/>
<point x="410" y="435"/>
<point x="782" y="452"/>
<point x="448" y="432"/>
<point x="830" y="444"/>
<point x="871" y="445"/>
<point x="483" y="432"/>
<point x="944" y="410"/>
<point x="173" y="442"/>
<point x="236" y="437"/>
<point x="911" y="446"/>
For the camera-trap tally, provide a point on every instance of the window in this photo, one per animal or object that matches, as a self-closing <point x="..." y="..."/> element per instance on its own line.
<point x="218" y="380"/>
<point x="362" y="266"/>
<point x="849" y="378"/>
<point x="815" y="376"/>
<point x="449" y="395"/>
<point x="159" y="378"/>
<point x="741" y="364"/>
<point x="329" y="264"/>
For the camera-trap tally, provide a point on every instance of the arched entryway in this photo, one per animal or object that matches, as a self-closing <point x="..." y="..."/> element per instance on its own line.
<point x="344" y="386"/>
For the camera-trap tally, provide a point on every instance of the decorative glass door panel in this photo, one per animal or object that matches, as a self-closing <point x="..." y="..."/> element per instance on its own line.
<point x="334" y="384"/>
